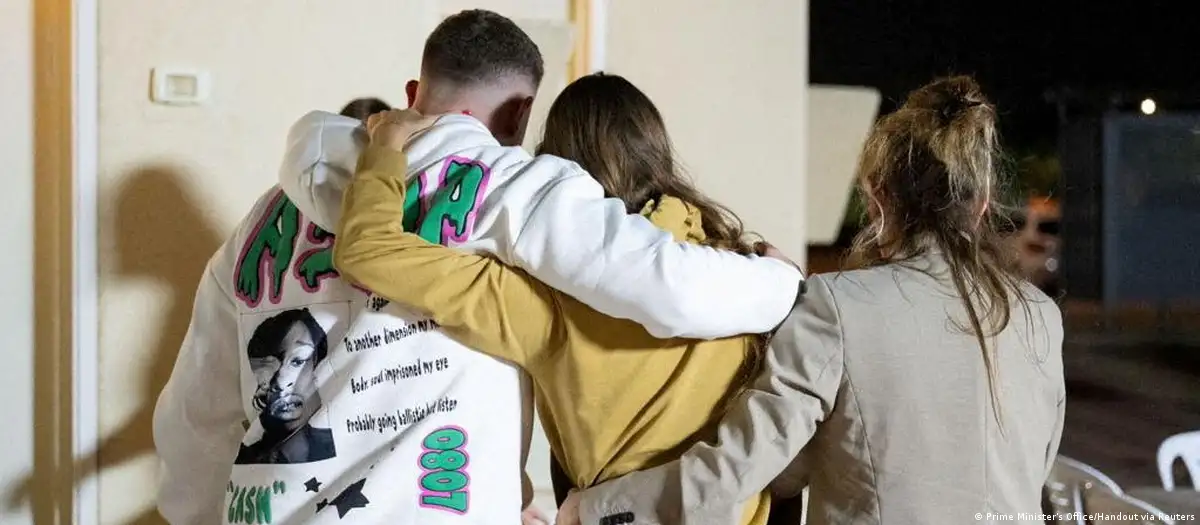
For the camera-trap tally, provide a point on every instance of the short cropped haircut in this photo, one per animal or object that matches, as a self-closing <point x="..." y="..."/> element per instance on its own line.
<point x="477" y="47"/>
<point x="361" y="108"/>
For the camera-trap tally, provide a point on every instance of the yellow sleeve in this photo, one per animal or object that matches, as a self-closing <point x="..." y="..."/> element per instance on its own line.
<point x="493" y="308"/>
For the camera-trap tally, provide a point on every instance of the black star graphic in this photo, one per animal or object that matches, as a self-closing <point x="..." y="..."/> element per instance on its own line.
<point x="312" y="485"/>
<point x="351" y="498"/>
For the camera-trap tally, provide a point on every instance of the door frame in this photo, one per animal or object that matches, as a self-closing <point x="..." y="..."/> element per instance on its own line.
<point x="589" y="21"/>
<point x="85" y="278"/>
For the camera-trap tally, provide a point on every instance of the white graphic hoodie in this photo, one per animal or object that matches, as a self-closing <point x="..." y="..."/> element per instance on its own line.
<point x="299" y="399"/>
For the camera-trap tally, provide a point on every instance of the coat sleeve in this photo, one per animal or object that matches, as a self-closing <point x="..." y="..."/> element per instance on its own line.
<point x="1061" y="409"/>
<point x="758" y="438"/>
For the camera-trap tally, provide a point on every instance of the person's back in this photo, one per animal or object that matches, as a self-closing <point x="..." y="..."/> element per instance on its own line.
<point x="925" y="386"/>
<point x="612" y="397"/>
<point x="615" y="399"/>
<point x="913" y="438"/>
<point x="653" y="397"/>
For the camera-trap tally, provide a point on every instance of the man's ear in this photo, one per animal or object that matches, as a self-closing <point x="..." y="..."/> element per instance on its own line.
<point x="520" y="120"/>
<point x="526" y="111"/>
<point x="410" y="89"/>
<point x="508" y="121"/>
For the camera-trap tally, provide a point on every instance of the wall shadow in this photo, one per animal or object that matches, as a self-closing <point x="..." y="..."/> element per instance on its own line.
<point x="162" y="237"/>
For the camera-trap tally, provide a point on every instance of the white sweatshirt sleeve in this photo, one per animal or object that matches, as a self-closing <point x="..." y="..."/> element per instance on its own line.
<point x="561" y="229"/>
<point x="589" y="247"/>
<point x="199" y="415"/>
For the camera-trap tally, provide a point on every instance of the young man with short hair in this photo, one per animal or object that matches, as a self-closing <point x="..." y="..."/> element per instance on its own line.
<point x="384" y="418"/>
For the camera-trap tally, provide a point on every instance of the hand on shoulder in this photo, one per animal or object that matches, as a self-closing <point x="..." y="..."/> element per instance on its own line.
<point x="532" y="516"/>
<point x="766" y="249"/>
<point x="393" y="128"/>
<point x="568" y="512"/>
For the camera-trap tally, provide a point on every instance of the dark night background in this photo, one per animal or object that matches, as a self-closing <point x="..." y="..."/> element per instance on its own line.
<point x="1129" y="386"/>
<point x="1018" y="50"/>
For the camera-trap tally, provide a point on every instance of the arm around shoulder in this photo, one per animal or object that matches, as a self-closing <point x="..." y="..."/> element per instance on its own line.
<point x="494" y="309"/>
<point x="589" y="247"/>
<point x="760" y="435"/>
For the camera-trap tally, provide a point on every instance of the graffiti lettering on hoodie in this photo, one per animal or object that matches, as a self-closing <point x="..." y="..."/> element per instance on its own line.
<point x="446" y="211"/>
<point x="443" y="212"/>
<point x="444" y="483"/>
<point x="270" y="249"/>
<point x="267" y="253"/>
<point x="252" y="505"/>
<point x="316" y="264"/>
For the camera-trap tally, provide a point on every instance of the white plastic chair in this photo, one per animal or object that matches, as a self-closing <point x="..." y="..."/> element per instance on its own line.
<point x="1106" y="507"/>
<point x="1185" y="446"/>
<point x="1066" y="484"/>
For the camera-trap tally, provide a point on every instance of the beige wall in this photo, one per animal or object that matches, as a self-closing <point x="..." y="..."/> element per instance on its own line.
<point x="552" y="10"/>
<point x="730" y="77"/>
<point x="16" y="261"/>
<point x="842" y="117"/>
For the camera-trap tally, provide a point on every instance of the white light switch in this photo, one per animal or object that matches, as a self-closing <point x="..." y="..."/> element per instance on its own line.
<point x="180" y="87"/>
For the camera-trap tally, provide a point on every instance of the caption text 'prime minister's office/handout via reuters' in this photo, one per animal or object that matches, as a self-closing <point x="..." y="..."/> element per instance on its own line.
<point x="991" y="517"/>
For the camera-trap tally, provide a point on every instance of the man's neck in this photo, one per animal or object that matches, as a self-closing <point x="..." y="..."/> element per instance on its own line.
<point x="428" y="106"/>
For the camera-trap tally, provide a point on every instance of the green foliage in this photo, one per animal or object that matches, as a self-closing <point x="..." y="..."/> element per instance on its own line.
<point x="856" y="211"/>
<point x="1038" y="174"/>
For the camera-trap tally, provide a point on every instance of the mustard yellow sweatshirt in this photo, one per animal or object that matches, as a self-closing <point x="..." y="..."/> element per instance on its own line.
<point x="612" y="398"/>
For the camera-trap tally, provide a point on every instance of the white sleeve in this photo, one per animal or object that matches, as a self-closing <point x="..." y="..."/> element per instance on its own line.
<point x="590" y="248"/>
<point x="199" y="416"/>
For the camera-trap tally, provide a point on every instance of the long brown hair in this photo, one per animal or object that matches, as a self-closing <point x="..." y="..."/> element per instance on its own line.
<point x="612" y="129"/>
<point x="930" y="175"/>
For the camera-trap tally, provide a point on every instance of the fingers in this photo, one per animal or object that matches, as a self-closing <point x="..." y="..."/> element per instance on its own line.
<point x="392" y="116"/>
<point x="761" y="248"/>
<point x="533" y="516"/>
<point x="568" y="513"/>
<point x="393" y="128"/>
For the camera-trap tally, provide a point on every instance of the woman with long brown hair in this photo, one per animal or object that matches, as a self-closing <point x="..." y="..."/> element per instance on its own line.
<point x="924" y="386"/>
<point x="612" y="398"/>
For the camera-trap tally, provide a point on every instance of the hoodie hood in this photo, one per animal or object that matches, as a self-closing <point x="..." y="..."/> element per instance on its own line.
<point x="323" y="150"/>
